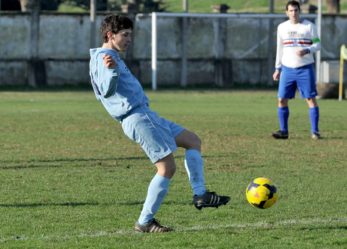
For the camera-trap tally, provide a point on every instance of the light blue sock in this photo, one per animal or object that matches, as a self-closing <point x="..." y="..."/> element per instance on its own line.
<point x="157" y="190"/>
<point x="195" y="169"/>
<point x="283" y="115"/>
<point x="314" y="118"/>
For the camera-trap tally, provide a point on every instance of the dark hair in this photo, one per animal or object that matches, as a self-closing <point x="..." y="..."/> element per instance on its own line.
<point x="293" y="3"/>
<point x="114" y="23"/>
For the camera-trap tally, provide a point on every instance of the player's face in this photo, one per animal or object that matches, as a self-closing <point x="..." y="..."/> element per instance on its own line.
<point x="293" y="13"/>
<point x="121" y="40"/>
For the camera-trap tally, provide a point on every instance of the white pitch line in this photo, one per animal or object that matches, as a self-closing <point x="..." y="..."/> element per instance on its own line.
<point x="284" y="223"/>
<point x="264" y="224"/>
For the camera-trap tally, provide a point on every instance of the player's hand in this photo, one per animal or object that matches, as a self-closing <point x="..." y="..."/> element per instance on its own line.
<point x="276" y="75"/>
<point x="302" y="52"/>
<point x="108" y="61"/>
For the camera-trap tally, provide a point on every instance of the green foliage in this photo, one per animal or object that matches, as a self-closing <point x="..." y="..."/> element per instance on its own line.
<point x="206" y="5"/>
<point x="50" y="4"/>
<point x="143" y="6"/>
<point x="85" y="4"/>
<point x="200" y="6"/>
<point x="71" y="179"/>
<point x="254" y="6"/>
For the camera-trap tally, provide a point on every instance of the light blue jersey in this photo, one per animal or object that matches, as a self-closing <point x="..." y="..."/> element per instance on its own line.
<point x="124" y="99"/>
<point x="118" y="90"/>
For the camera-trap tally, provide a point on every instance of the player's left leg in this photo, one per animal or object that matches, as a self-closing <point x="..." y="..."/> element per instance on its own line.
<point x="193" y="161"/>
<point x="195" y="168"/>
<point x="314" y="117"/>
<point x="308" y="90"/>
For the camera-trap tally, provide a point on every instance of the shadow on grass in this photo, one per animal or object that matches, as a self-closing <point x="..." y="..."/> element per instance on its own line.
<point x="34" y="205"/>
<point x="53" y="163"/>
<point x="82" y="204"/>
<point x="329" y="227"/>
<point x="49" y="163"/>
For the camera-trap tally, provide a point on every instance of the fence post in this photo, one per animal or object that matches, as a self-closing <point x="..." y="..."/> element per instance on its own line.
<point x="36" y="67"/>
<point x="343" y="56"/>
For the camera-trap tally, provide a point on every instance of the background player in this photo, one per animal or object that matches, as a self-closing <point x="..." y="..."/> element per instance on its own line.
<point x="296" y="42"/>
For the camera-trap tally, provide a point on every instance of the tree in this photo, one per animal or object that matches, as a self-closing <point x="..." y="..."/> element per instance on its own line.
<point x="333" y="6"/>
<point x="27" y="5"/>
<point x="139" y="5"/>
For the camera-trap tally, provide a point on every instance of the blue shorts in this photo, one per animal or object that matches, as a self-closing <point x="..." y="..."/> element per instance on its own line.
<point x="155" y="134"/>
<point x="301" y="78"/>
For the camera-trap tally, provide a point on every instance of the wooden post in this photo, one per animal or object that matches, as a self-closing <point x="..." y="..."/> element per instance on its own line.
<point x="185" y="6"/>
<point x="184" y="39"/>
<point x="92" y="23"/>
<point x="343" y="56"/>
<point x="220" y="64"/>
<point x="36" y="67"/>
<point x="270" y="61"/>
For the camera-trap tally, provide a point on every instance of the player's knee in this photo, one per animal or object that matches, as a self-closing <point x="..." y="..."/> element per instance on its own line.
<point x="166" y="166"/>
<point x="195" y="142"/>
<point x="312" y="102"/>
<point x="168" y="171"/>
<point x="172" y="171"/>
<point x="189" y="140"/>
<point x="282" y="102"/>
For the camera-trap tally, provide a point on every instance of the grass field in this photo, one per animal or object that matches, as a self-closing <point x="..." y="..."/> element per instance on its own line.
<point x="70" y="179"/>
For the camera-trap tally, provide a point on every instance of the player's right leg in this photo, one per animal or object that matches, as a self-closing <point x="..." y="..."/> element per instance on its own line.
<point x="286" y="90"/>
<point x="283" y="116"/>
<point x="146" y="128"/>
<point x="156" y="193"/>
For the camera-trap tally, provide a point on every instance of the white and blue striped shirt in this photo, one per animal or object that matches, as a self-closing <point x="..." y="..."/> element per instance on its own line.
<point x="293" y="37"/>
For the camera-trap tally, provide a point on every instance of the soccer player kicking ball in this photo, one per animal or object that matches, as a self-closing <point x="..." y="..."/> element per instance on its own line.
<point x="124" y="99"/>
<point x="296" y="42"/>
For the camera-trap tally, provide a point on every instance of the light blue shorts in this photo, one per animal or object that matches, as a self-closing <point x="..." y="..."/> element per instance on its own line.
<point x="301" y="78"/>
<point x="155" y="134"/>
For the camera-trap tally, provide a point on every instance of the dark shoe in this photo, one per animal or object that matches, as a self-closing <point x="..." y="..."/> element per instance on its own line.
<point x="316" y="136"/>
<point x="280" y="135"/>
<point x="152" y="227"/>
<point x="210" y="199"/>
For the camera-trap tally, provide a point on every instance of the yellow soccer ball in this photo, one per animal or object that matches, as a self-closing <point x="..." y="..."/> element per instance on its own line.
<point x="261" y="193"/>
